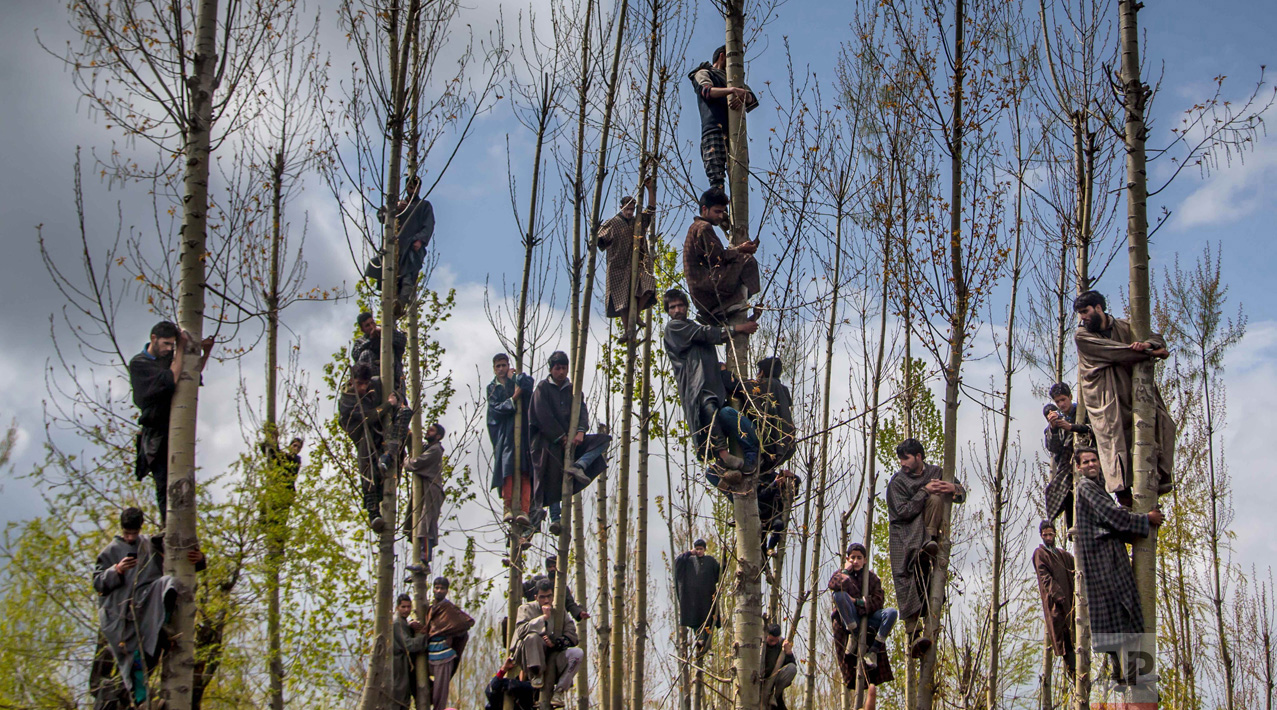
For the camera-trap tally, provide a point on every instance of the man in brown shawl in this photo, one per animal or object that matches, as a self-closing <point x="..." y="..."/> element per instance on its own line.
<point x="720" y="279"/>
<point x="916" y="500"/>
<point x="427" y="470"/>
<point x="1054" y="568"/>
<point x="616" y="237"/>
<point x="447" y="630"/>
<point x="1106" y="354"/>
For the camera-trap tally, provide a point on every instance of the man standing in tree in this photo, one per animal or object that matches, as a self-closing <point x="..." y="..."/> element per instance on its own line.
<point x="447" y="630"/>
<point x="539" y="651"/>
<point x="153" y="374"/>
<point x="616" y="236"/>
<point x="851" y="604"/>
<point x="359" y="411"/>
<point x="367" y="348"/>
<point x="720" y="279"/>
<point x="416" y="228"/>
<point x="504" y="392"/>
<point x="916" y="500"/>
<point x="696" y="583"/>
<point x="1061" y="429"/>
<point x="713" y="97"/>
<point x="690" y="348"/>
<point x="551" y="415"/>
<point x="428" y="470"/>
<point x="409" y="641"/>
<point x="780" y="667"/>
<point x="1106" y="355"/>
<point x="281" y="488"/>
<point x="135" y="600"/>
<point x="1054" y="569"/>
<point x="551" y="571"/>
<point x="1103" y="530"/>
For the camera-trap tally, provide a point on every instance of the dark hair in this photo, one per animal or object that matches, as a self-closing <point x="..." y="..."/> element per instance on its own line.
<point x="544" y="585"/>
<point x="713" y="197"/>
<point x="771" y="367"/>
<point x="1048" y="408"/>
<point x="439" y="427"/>
<point x="558" y="357"/>
<point x="551" y="560"/>
<point x="700" y="542"/>
<point x="359" y="319"/>
<point x="131" y="519"/>
<point x="1060" y="388"/>
<point x="403" y="598"/>
<point x="1077" y="453"/>
<point x="166" y="329"/>
<point x="361" y="371"/>
<point x="628" y="200"/>
<point x="910" y="447"/>
<point x="499" y="357"/>
<point x="297" y="440"/>
<point x="1045" y="525"/>
<point x="718" y="53"/>
<point x="857" y="547"/>
<point x="774" y="631"/>
<point x="673" y="296"/>
<point x="441" y="582"/>
<point x="1089" y="298"/>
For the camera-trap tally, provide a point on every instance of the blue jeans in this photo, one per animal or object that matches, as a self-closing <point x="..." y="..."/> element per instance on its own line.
<point x="883" y="619"/>
<point x="740" y="429"/>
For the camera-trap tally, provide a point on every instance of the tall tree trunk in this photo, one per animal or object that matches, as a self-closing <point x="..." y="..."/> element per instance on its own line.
<point x="748" y="616"/>
<point x="640" y="547"/>
<point x="1082" y="275"/>
<point x="953" y="368"/>
<point x="1144" y="405"/>
<point x="178" y="677"/>
<point x="826" y="396"/>
<point x="276" y="529"/>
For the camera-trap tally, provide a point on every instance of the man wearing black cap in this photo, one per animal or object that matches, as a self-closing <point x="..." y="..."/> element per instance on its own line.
<point x="696" y="582"/>
<point x="1054" y="569"/>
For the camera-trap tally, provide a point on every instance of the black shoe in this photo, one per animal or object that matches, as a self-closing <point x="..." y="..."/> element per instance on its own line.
<point x="378" y="525"/>
<point x="919" y="647"/>
<point x="931" y="549"/>
<point x="555" y="527"/>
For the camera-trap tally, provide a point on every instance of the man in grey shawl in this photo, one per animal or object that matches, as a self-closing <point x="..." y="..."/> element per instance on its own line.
<point x="1103" y="530"/>
<point x="706" y="409"/>
<point x="135" y="599"/>
<point x="916" y="500"/>
<point x="616" y="237"/>
<point x="542" y="654"/>
<point x="1106" y="355"/>
<point x="427" y="470"/>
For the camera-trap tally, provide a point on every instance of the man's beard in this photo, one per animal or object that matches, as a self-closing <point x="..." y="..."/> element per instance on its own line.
<point x="1049" y="543"/>
<point x="1095" y="323"/>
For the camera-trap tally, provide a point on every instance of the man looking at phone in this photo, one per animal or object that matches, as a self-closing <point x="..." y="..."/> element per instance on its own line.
<point x="135" y="599"/>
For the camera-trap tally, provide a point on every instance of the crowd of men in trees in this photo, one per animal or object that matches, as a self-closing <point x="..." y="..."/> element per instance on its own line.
<point x="742" y="431"/>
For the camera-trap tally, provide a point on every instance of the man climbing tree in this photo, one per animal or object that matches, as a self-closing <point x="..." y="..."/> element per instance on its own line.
<point x="135" y="600"/>
<point x="694" y="360"/>
<point x="1103" y="530"/>
<point x="616" y="237"/>
<point x="1107" y="352"/>
<point x="1059" y="438"/>
<point x="917" y="498"/>
<point x="424" y="518"/>
<point x="367" y="348"/>
<point x="720" y="279"/>
<point x="505" y="392"/>
<point x="542" y="654"/>
<point x="360" y="410"/>
<point x="153" y="374"/>
<point x="1054" y="570"/>
<point x="714" y="97"/>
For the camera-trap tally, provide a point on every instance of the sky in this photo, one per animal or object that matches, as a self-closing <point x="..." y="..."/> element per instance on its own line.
<point x="44" y="121"/>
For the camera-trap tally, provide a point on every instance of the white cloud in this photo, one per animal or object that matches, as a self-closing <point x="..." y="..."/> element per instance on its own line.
<point x="1234" y="192"/>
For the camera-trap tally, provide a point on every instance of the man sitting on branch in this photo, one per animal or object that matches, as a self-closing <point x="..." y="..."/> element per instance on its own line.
<point x="720" y="279"/>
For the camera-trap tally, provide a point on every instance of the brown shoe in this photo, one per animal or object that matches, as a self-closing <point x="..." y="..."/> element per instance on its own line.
<point x="919" y="647"/>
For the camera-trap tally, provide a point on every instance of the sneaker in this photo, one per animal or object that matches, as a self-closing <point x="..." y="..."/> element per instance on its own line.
<point x="555" y="527"/>
<point x="919" y="647"/>
<point x="378" y="525"/>
<point x="507" y="518"/>
<point x="871" y="655"/>
<point x="731" y="461"/>
<point x="522" y="519"/>
<point x="579" y="474"/>
<point x="536" y="679"/>
<point x="931" y="548"/>
<point x="560" y="698"/>
<point x="750" y="463"/>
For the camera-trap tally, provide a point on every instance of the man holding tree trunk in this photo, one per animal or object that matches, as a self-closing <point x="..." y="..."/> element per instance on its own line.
<point x="616" y="237"/>
<point x="713" y="98"/>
